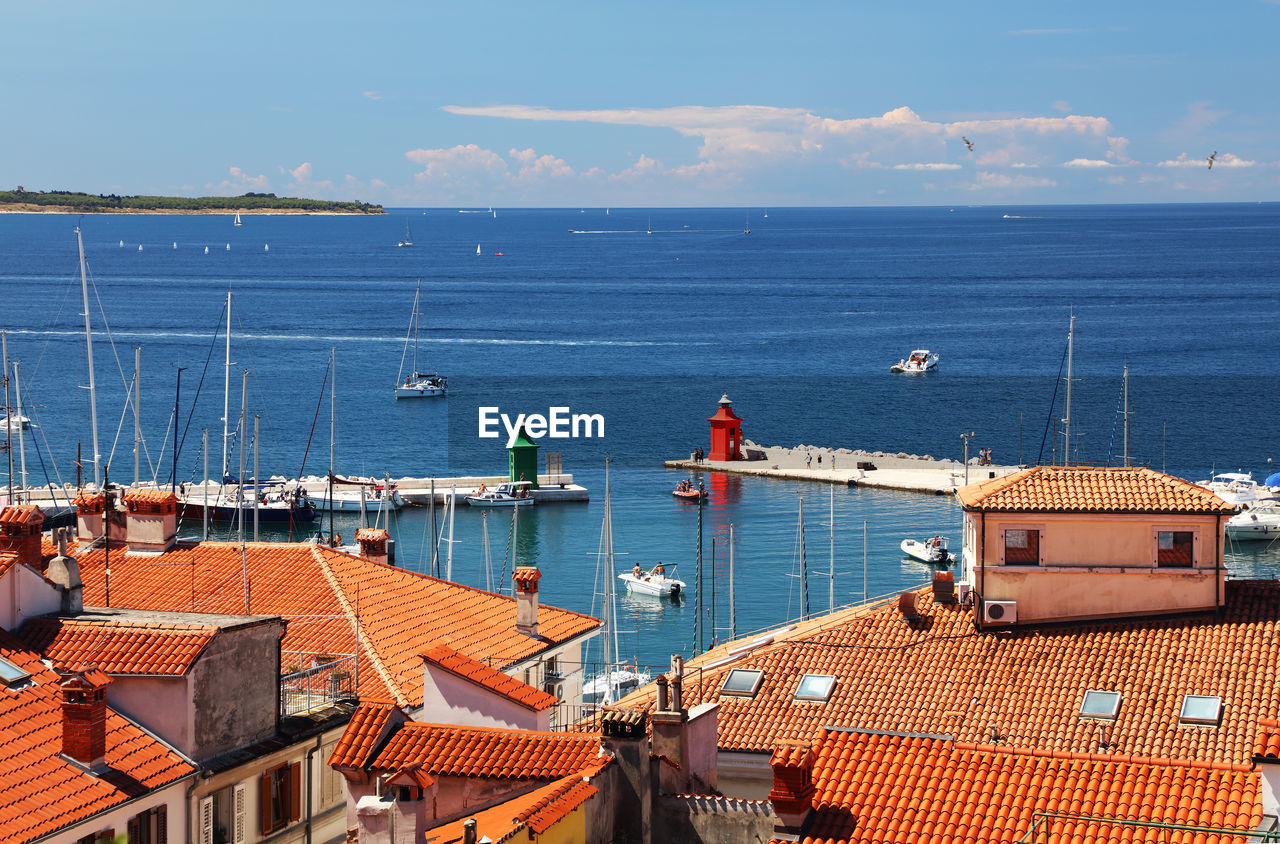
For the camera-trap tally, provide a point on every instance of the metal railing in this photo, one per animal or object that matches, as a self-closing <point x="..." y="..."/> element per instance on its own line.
<point x="323" y="684"/>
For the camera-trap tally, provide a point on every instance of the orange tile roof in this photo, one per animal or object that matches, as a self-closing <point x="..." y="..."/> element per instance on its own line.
<point x="1268" y="744"/>
<point x="893" y="788"/>
<point x="149" y="496"/>
<point x="491" y="679"/>
<point x="371" y="534"/>
<point x="943" y="676"/>
<point x="320" y="590"/>
<point x="537" y="811"/>
<point x="21" y="514"/>
<point x="40" y="792"/>
<point x="119" y="647"/>
<point x="1092" y="489"/>
<point x="450" y="750"/>
<point x="364" y="732"/>
<point x="7" y="561"/>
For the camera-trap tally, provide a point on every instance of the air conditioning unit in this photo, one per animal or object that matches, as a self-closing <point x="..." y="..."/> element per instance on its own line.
<point x="964" y="594"/>
<point x="999" y="612"/>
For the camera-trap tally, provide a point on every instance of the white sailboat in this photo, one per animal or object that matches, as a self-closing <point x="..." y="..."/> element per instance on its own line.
<point x="616" y="680"/>
<point x="416" y="385"/>
<point x="477" y="249"/>
<point x="237" y="220"/>
<point x="408" y="236"/>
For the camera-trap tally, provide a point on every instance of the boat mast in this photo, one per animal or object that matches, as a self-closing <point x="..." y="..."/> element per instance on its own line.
<point x="1066" y="440"/>
<point x="453" y="506"/>
<point x="226" y="396"/>
<point x="137" y="410"/>
<point x="1126" y="415"/>
<point x="610" y="629"/>
<point x="831" y="573"/>
<point x="244" y="400"/>
<point x="8" y="416"/>
<point x="88" y="342"/>
<point x="204" y="535"/>
<point x="22" y="443"/>
<point x="733" y="607"/>
<point x="333" y="378"/>
<point x="256" y="486"/>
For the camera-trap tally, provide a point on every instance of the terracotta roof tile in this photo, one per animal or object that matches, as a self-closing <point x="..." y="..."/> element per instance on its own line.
<point x="896" y="788"/>
<point x="40" y="792"/>
<point x="492" y="679"/>
<point x="7" y="561"/>
<point x="1076" y="489"/>
<point x="537" y="811"/>
<point x="371" y="534"/>
<point x="1268" y="743"/>
<point x="119" y="647"/>
<point x="363" y="733"/>
<point x="21" y="514"/>
<point x="320" y="590"/>
<point x="150" y="496"/>
<point x="1025" y="686"/>
<point x="450" y="750"/>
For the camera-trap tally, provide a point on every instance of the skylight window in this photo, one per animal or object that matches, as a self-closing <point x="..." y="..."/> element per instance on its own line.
<point x="13" y="676"/>
<point x="815" y="687"/>
<point x="742" y="682"/>
<point x="1102" y="705"/>
<point x="1205" y="710"/>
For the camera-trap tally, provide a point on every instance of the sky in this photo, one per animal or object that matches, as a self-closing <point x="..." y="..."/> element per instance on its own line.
<point x="440" y="104"/>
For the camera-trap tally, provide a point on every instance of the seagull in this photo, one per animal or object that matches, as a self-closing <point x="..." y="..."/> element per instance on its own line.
<point x="1211" y="158"/>
<point x="967" y="143"/>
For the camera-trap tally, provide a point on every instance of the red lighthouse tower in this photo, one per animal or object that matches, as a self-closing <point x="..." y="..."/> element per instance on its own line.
<point x="726" y="432"/>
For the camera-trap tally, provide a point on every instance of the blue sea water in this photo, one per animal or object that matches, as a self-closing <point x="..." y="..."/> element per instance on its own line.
<point x="647" y="316"/>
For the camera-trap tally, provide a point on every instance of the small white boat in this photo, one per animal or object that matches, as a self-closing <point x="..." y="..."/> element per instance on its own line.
<point x="655" y="581"/>
<point x="477" y="249"/>
<point x="14" y="422"/>
<point x="408" y="236"/>
<point x="368" y="495"/>
<point x="932" y="551"/>
<point x="920" y="360"/>
<point x="237" y="222"/>
<point x="1260" y="523"/>
<point x="611" y="686"/>
<point x="510" y="494"/>
<point x="1238" y="488"/>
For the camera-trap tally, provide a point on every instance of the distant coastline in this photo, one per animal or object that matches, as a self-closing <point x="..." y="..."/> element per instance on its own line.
<point x="67" y="202"/>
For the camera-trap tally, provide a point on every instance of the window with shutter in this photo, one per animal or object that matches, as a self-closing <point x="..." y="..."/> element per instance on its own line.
<point x="240" y="821"/>
<point x="265" y="821"/>
<point x="206" y="820"/>
<point x="295" y="791"/>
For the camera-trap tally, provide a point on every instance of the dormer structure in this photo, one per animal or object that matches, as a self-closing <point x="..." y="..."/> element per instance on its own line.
<point x="1055" y="543"/>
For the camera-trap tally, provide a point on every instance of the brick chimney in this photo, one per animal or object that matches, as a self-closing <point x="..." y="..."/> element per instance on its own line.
<point x="151" y="520"/>
<point x="89" y="509"/>
<point x="373" y="544"/>
<point x="20" y="533"/>
<point x="792" y="793"/>
<point x="83" y="695"/>
<point x="526" y="579"/>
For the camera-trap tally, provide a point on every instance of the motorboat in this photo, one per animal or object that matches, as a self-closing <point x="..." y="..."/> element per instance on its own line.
<point x="613" y="685"/>
<point x="1262" y="522"/>
<point x="655" y="581"/>
<point x="510" y="494"/>
<point x="271" y="501"/>
<point x="688" y="492"/>
<point x="920" y="360"/>
<point x="366" y="495"/>
<point x="932" y="551"/>
<point x="1238" y="488"/>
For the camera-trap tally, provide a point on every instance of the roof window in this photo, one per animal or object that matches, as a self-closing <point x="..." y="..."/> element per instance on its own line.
<point x="815" y="687"/>
<point x="12" y="676"/>
<point x="1101" y="705"/>
<point x="742" y="682"/>
<point x="1203" y="710"/>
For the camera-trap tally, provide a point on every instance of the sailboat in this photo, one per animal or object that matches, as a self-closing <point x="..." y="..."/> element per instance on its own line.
<point x="237" y="220"/>
<point x="747" y="229"/>
<point x="408" y="236"/>
<point x="417" y="385"/>
<point x="477" y="249"/>
<point x="615" y="680"/>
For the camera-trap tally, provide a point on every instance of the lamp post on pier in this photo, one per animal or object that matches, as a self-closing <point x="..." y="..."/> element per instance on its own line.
<point x="965" y="436"/>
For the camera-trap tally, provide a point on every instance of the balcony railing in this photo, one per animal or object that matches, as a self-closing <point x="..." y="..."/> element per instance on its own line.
<point x="313" y="688"/>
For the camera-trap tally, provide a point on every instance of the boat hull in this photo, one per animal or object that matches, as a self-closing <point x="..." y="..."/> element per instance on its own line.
<point x="692" y="496"/>
<point x="419" y="391"/>
<point x="228" y="513"/>
<point x="657" y="586"/>
<point x="920" y="552"/>
<point x="478" y="501"/>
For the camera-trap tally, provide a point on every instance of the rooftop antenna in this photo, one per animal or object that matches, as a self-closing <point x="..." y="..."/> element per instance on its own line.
<point x="88" y="342"/>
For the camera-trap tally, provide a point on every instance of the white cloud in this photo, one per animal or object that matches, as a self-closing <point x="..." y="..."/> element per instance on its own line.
<point x="1003" y="181"/>
<point x="927" y="166"/>
<point x="243" y="179"/>
<point x="1022" y="165"/>
<point x="459" y="162"/>
<point x="534" y="166"/>
<point x="1225" y="159"/>
<point x="1062" y="106"/>
<point x="1087" y="163"/>
<point x="301" y="173"/>
<point x="1050" y="31"/>
<point x="371" y="95"/>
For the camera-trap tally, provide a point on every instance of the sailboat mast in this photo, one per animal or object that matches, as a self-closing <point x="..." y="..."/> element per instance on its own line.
<point x="804" y="569"/>
<point x="244" y="400"/>
<point x="1066" y="440"/>
<point x="1126" y="415"/>
<point x="88" y="342"/>
<point x="831" y="569"/>
<point x="8" y="416"/>
<point x="226" y="395"/>
<point x="733" y="606"/>
<point x="22" y="443"/>
<point x="137" y="410"/>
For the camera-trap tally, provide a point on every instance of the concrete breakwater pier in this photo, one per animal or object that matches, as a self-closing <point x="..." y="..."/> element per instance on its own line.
<point x="850" y="467"/>
<point x="554" y="488"/>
